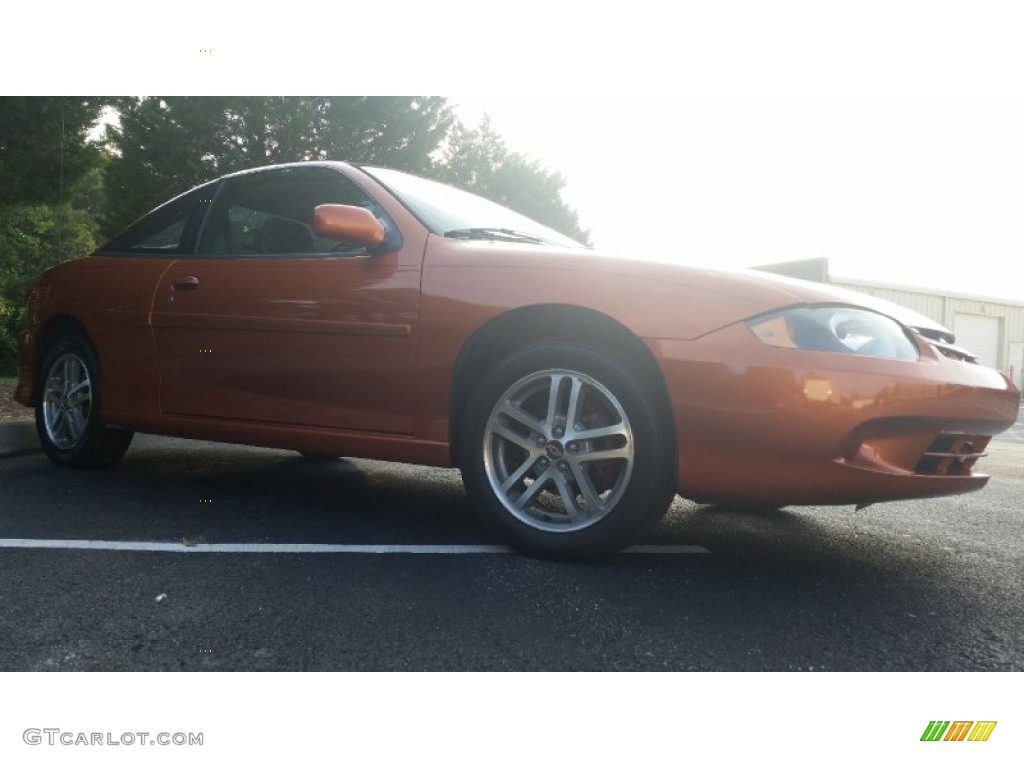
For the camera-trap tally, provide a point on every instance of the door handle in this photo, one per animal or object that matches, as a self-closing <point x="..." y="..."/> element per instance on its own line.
<point x="185" y="283"/>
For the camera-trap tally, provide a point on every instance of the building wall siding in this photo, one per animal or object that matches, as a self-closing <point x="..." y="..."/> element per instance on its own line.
<point x="927" y="304"/>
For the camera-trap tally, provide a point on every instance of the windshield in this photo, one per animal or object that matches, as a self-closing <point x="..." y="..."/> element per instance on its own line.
<point x="455" y="213"/>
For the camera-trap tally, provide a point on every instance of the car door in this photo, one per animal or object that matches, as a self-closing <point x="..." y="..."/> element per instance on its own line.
<point x="122" y="276"/>
<point x="268" y="322"/>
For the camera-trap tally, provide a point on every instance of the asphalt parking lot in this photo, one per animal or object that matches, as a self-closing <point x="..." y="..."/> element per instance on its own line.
<point x="1014" y="434"/>
<point x="240" y="558"/>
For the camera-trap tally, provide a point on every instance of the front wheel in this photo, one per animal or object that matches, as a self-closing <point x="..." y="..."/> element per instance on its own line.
<point x="68" y="410"/>
<point x="565" y="453"/>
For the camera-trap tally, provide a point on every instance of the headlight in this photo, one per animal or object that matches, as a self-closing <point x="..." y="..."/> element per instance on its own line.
<point x="835" y="329"/>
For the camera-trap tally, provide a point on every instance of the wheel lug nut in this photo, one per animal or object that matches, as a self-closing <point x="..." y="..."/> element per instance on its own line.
<point x="541" y="441"/>
<point x="572" y="447"/>
<point x="564" y="466"/>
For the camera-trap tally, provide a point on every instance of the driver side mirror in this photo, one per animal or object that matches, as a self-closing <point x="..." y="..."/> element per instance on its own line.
<point x="348" y="222"/>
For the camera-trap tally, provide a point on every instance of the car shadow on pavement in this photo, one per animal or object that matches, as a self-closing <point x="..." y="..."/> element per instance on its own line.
<point x="237" y="494"/>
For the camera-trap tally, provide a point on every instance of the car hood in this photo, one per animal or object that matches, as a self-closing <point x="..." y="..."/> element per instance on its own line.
<point x="819" y="292"/>
<point x="778" y="289"/>
<point x="750" y="292"/>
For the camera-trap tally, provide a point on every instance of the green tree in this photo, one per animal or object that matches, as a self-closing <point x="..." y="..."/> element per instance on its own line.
<point x="33" y="238"/>
<point x="49" y="171"/>
<point x="44" y="146"/>
<point x="479" y="161"/>
<point x="397" y="131"/>
<point x="166" y="145"/>
<point x="158" y="147"/>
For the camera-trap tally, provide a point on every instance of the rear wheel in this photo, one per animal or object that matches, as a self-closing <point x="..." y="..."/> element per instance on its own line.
<point x="564" y="452"/>
<point x="68" y="409"/>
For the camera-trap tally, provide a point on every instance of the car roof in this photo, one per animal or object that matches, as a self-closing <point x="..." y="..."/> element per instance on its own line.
<point x="335" y="164"/>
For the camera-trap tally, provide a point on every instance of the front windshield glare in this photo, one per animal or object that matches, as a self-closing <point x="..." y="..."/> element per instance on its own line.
<point x="447" y="209"/>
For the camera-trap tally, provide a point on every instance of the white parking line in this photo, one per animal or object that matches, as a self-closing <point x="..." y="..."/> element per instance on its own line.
<point x="291" y="549"/>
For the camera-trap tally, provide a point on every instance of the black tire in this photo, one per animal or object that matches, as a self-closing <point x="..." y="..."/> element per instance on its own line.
<point x="69" y="425"/>
<point x="628" y="494"/>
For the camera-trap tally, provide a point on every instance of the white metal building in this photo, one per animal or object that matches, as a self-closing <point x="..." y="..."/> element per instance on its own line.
<point x="992" y="329"/>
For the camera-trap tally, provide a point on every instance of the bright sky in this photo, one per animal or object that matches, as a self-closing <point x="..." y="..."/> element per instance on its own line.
<point x="892" y="143"/>
<point x="887" y="136"/>
<point x="896" y="177"/>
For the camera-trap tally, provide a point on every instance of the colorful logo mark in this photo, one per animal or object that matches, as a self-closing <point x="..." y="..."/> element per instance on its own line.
<point x="959" y="730"/>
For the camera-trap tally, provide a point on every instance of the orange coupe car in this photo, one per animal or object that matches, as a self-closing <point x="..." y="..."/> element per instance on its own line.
<point x="336" y="309"/>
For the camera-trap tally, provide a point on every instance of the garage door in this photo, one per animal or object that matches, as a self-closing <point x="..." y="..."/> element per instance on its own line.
<point x="980" y="335"/>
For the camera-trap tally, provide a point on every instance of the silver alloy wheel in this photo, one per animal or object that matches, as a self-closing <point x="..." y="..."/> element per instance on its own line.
<point x="67" y="401"/>
<point x="558" y="450"/>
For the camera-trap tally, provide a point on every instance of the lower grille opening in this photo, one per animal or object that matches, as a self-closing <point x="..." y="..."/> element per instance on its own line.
<point x="952" y="455"/>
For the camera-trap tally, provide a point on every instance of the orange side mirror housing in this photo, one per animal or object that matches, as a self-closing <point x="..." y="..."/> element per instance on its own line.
<point x="348" y="222"/>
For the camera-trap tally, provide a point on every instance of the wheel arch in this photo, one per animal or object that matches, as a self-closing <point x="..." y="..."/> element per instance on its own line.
<point x="84" y="442"/>
<point x="55" y="328"/>
<point x="516" y="328"/>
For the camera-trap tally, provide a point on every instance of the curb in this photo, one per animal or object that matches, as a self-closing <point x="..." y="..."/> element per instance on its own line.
<point x="18" y="438"/>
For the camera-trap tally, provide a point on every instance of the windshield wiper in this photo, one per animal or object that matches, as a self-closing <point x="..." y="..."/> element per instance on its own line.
<point x="495" y="233"/>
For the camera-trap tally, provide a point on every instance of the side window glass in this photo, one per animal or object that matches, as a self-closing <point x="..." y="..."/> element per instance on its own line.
<point x="168" y="238"/>
<point x="270" y="213"/>
<point x="166" y="230"/>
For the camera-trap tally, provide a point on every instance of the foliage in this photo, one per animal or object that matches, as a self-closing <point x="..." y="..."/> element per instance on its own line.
<point x="167" y="145"/>
<point x="33" y="238"/>
<point x="478" y="161"/>
<point x="44" y="150"/>
<point x="161" y="147"/>
<point x="51" y="177"/>
<point x="400" y="132"/>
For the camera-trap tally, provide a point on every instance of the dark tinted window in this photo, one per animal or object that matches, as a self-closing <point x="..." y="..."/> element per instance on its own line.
<point x="168" y="229"/>
<point x="271" y="213"/>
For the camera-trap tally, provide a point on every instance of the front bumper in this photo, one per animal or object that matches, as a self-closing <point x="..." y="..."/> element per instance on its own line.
<point x="768" y="425"/>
